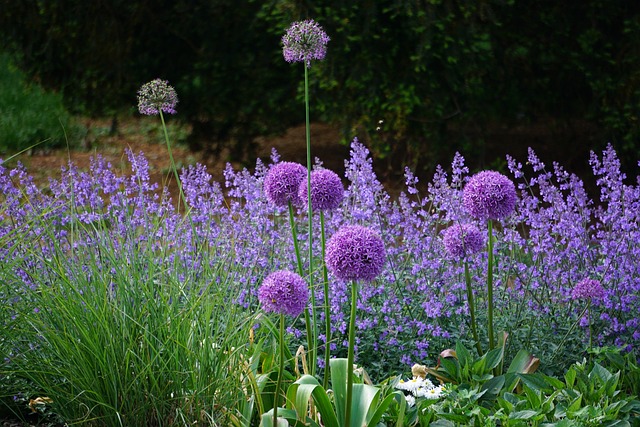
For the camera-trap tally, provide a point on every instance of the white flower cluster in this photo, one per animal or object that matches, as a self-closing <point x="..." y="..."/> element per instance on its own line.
<point x="420" y="387"/>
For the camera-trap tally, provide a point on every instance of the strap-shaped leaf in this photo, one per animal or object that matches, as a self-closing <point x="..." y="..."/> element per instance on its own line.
<point x="301" y="391"/>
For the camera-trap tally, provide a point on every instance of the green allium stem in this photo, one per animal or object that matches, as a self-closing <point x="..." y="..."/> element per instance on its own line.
<point x="173" y="163"/>
<point x="327" y="311"/>
<point x="280" y="370"/>
<point x="490" y="287"/>
<point x="350" y="354"/>
<point x="294" y="235"/>
<point x="312" y="350"/>
<point x="472" y="311"/>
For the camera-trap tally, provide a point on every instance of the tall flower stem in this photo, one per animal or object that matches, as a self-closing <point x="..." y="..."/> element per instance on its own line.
<point x="490" y="287"/>
<point x="350" y="353"/>
<point x="280" y="370"/>
<point x="472" y="311"/>
<point x="294" y="235"/>
<point x="312" y="350"/>
<point x="173" y="163"/>
<point x="327" y="311"/>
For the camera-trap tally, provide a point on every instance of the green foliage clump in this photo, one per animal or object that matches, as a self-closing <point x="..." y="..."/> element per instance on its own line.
<point x="29" y="115"/>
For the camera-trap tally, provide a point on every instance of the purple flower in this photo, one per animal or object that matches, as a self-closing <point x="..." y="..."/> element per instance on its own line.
<point x="304" y="41"/>
<point x="355" y="252"/>
<point x="326" y="190"/>
<point x="489" y="195"/>
<point x="461" y="240"/>
<point x="587" y="289"/>
<point x="283" y="292"/>
<point x="282" y="181"/>
<point x="156" y="96"/>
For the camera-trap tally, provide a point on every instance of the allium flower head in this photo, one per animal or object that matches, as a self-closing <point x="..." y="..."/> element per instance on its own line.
<point x="489" y="195"/>
<point x="283" y="292"/>
<point x="355" y="252"/>
<point x="156" y="96"/>
<point x="587" y="289"/>
<point x="282" y="182"/>
<point x="462" y="240"/>
<point x="304" y="41"/>
<point x="326" y="190"/>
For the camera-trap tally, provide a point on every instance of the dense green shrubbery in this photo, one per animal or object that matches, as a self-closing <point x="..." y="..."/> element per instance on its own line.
<point x="28" y="114"/>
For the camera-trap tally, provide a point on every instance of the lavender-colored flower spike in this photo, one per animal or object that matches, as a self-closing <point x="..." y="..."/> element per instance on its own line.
<point x="587" y="289"/>
<point x="304" y="41"/>
<point x="489" y="195"/>
<point x="462" y="240"/>
<point x="282" y="181"/>
<point x="283" y="292"/>
<point x="355" y="253"/>
<point x="326" y="190"/>
<point x="156" y="96"/>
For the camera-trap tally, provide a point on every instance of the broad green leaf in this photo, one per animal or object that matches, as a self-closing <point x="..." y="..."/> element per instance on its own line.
<point x="494" y="357"/>
<point x="266" y="420"/>
<point x="339" y="385"/>
<point x="363" y="401"/>
<point x="536" y="382"/>
<point x="570" y="377"/>
<point x="384" y="405"/>
<point x="523" y="415"/>
<point x="298" y="400"/>
<point x="493" y="387"/>
<point x="464" y="357"/>
<point x="524" y="363"/>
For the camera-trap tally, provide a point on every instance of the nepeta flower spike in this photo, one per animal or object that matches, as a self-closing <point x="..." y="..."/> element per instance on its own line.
<point x="283" y="292"/>
<point x="156" y="96"/>
<point x="304" y="41"/>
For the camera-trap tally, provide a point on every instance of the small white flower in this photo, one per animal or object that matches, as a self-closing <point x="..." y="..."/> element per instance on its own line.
<point x="410" y="400"/>
<point x="435" y="392"/>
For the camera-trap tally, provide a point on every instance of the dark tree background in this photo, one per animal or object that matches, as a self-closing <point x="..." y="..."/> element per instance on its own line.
<point x="414" y="79"/>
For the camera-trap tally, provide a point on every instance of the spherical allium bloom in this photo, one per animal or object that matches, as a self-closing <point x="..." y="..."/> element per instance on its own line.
<point x="355" y="252"/>
<point x="282" y="182"/>
<point x="283" y="292"/>
<point x="462" y="240"/>
<point x="326" y="190"/>
<point x="304" y="41"/>
<point x="489" y="195"/>
<point x="156" y="96"/>
<point x="587" y="289"/>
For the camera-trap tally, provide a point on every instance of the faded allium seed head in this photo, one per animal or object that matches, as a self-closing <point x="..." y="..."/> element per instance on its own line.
<point x="489" y="195"/>
<point x="326" y="190"/>
<point x="282" y="182"/>
<point x="355" y="253"/>
<point x="283" y="292"/>
<point x="304" y="41"/>
<point x="587" y="289"/>
<point x="156" y="96"/>
<point x="462" y="240"/>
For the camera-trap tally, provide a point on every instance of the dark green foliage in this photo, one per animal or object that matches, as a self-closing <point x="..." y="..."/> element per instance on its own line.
<point x="29" y="116"/>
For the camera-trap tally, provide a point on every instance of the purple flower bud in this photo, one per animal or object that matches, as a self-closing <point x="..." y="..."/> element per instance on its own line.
<point x="355" y="252"/>
<point x="489" y="195"/>
<point x="587" y="289"/>
<point x="326" y="190"/>
<point x="156" y="96"/>
<point x="283" y="292"/>
<point x="304" y="41"/>
<point x="462" y="240"/>
<point x="282" y="181"/>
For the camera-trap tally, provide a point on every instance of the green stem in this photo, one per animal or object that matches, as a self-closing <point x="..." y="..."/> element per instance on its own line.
<point x="327" y="311"/>
<point x="490" y="288"/>
<point x="173" y="163"/>
<point x="350" y="354"/>
<point x="472" y="311"/>
<point x="296" y="246"/>
<point x="553" y="356"/>
<point x="312" y="350"/>
<point x="279" y="381"/>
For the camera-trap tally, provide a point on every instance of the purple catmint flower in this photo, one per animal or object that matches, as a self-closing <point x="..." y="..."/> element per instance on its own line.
<point x="156" y="96"/>
<point x="462" y="240"/>
<point x="489" y="195"/>
<point x="587" y="289"/>
<point x="327" y="191"/>
<point x="304" y="41"/>
<point x="282" y="182"/>
<point x="283" y="292"/>
<point x="355" y="253"/>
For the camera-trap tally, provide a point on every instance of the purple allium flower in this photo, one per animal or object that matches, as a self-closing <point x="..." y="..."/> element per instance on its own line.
<point x="282" y="181"/>
<point x="326" y="190"/>
<point x="156" y="96"/>
<point x="587" y="289"/>
<point x="304" y="41"/>
<point x="283" y="292"/>
<point x="355" y="252"/>
<point x="461" y="240"/>
<point x="489" y="195"/>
